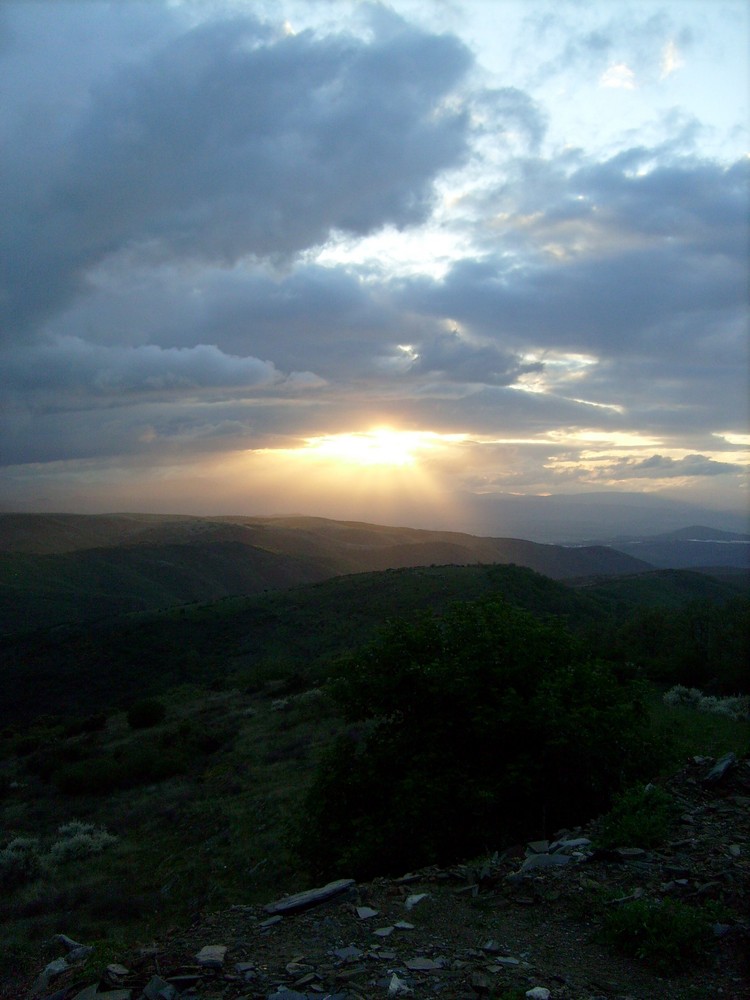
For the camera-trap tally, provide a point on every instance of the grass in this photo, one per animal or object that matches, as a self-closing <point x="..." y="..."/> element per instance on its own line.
<point x="642" y="816"/>
<point x="668" y="935"/>
<point x="206" y="838"/>
<point x="683" y="732"/>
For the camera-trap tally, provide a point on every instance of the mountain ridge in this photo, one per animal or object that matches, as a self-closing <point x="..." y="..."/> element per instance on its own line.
<point x="51" y="573"/>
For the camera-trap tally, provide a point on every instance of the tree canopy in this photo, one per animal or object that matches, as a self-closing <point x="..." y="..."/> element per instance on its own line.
<point x="468" y="730"/>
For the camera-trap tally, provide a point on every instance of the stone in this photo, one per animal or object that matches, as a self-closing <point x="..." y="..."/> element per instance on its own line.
<point x="271" y="922"/>
<point x="735" y="850"/>
<point x="630" y="853"/>
<point x="538" y="846"/>
<point x="211" y="956"/>
<point x="312" y="897"/>
<point x="365" y="912"/>
<point x="412" y="901"/>
<point x="398" y="987"/>
<point x="158" y="989"/>
<point x="720" y="769"/>
<point x="538" y="993"/>
<point x="421" y="964"/>
<point x="383" y="932"/>
<point x="349" y="954"/>
<point x="92" y="993"/>
<point x="88" y="993"/>
<point x="116" y="971"/>
<point x="50" y="971"/>
<point x="481" y="982"/>
<point x="67" y="942"/>
<point x="404" y="925"/>
<point x="568" y="846"/>
<point x="184" y="982"/>
<point x="536" y="861"/>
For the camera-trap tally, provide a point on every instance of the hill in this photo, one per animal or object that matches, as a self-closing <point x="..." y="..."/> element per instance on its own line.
<point x="76" y="668"/>
<point x="689" y="548"/>
<point x="58" y="568"/>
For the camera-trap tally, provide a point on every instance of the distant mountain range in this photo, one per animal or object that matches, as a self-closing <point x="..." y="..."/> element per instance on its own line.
<point x="69" y="567"/>
<point x="688" y="548"/>
<point x="577" y="518"/>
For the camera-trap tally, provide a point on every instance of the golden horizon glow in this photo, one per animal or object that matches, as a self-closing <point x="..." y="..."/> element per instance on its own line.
<point x="381" y="446"/>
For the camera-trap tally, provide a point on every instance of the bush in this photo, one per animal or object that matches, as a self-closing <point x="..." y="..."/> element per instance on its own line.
<point x="79" y="840"/>
<point x="670" y="936"/>
<point x="640" y="817"/>
<point x="735" y="707"/>
<point x="20" y="862"/>
<point x="146" y="713"/>
<point x="471" y="729"/>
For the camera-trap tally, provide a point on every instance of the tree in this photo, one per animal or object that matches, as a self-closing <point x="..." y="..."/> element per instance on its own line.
<point x="467" y="730"/>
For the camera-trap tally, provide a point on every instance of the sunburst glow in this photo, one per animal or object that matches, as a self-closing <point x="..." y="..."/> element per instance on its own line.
<point x="380" y="446"/>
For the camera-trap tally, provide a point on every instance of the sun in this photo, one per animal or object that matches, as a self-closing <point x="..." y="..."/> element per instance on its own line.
<point x="381" y="446"/>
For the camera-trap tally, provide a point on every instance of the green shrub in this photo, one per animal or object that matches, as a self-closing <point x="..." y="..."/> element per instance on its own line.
<point x="20" y="862"/>
<point x="640" y="817"/>
<point x="469" y="730"/>
<point x="146" y="713"/>
<point x="79" y="840"/>
<point x="670" y="936"/>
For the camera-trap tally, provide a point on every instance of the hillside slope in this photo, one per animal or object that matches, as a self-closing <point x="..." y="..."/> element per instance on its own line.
<point x="58" y="568"/>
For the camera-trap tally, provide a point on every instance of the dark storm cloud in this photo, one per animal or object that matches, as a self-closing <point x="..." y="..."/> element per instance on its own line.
<point x="230" y="141"/>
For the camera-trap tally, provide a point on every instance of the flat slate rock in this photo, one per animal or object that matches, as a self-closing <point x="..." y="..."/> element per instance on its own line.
<point x="720" y="769"/>
<point x="311" y="897"/>
<point x="544" y="861"/>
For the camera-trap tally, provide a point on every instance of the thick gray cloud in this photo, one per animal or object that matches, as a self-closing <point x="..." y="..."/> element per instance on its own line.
<point x="663" y="467"/>
<point x="73" y="366"/>
<point x="230" y="141"/>
<point x="611" y="262"/>
<point x="459" y="360"/>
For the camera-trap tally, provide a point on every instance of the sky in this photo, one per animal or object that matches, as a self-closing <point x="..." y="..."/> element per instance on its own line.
<point x="372" y="260"/>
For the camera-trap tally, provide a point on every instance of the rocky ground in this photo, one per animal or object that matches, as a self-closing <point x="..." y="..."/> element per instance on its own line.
<point x="523" y="923"/>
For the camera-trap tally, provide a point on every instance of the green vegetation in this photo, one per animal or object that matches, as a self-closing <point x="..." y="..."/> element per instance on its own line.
<point x="683" y="731"/>
<point x="699" y="644"/>
<point x="264" y="696"/>
<point x="484" y="723"/>
<point x="670" y="936"/>
<point x="641" y="816"/>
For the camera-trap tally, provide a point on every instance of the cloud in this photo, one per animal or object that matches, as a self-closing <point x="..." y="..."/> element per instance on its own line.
<point x="223" y="235"/>
<point x="619" y="76"/>
<point x="675" y="232"/>
<point x="73" y="366"/>
<point x="671" y="60"/>
<point x="664" y="467"/>
<point x="459" y="360"/>
<point x="230" y="141"/>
